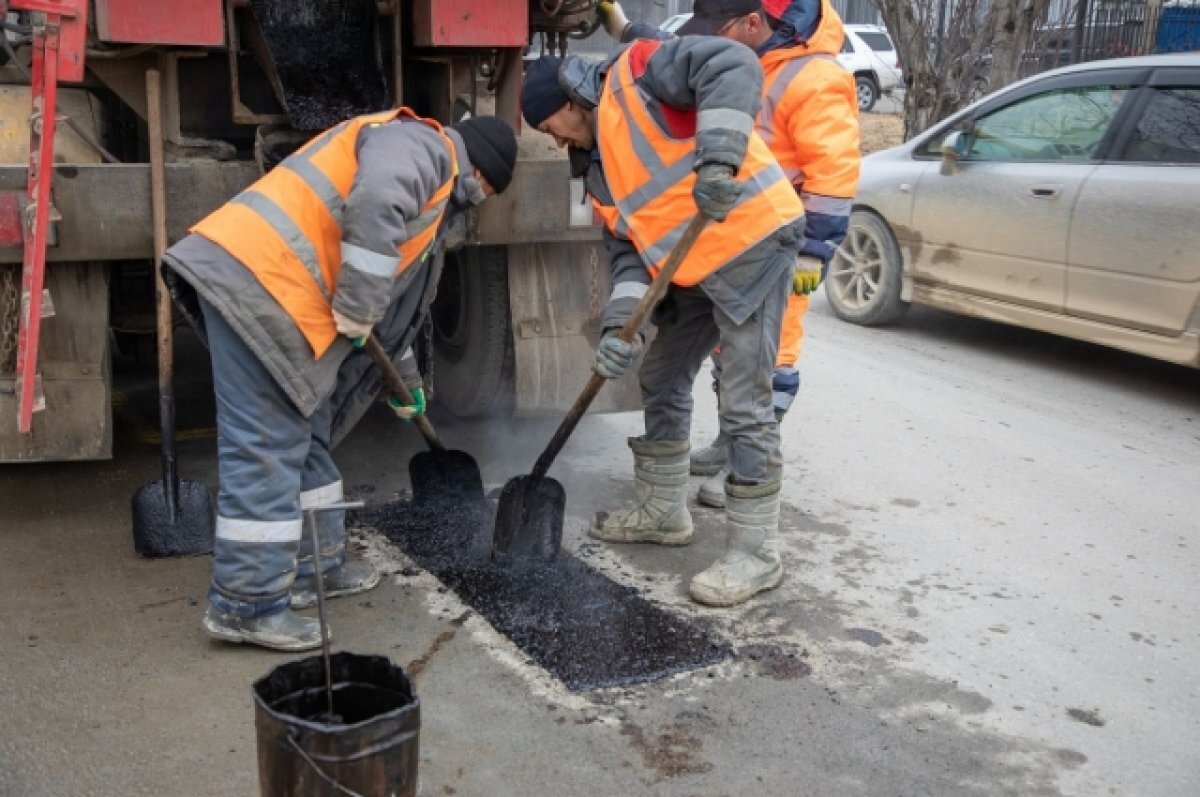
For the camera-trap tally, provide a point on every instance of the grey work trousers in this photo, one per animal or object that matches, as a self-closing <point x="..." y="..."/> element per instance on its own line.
<point x="690" y="325"/>
<point x="273" y="462"/>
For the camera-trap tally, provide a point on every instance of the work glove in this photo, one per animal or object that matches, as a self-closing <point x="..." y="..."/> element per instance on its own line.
<point x="614" y="356"/>
<point x="716" y="191"/>
<point x="808" y="275"/>
<point x="406" y="412"/>
<point x="612" y="17"/>
<point x="357" y="331"/>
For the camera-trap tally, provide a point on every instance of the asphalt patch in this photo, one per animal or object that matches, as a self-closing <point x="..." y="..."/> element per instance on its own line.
<point x="587" y="631"/>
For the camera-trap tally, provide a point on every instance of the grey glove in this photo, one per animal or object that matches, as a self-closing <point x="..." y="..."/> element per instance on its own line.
<point x="614" y="356"/>
<point x="716" y="191"/>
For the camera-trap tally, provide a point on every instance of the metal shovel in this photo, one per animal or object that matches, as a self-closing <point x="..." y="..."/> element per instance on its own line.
<point x="529" y="519"/>
<point x="170" y="517"/>
<point x="439" y="474"/>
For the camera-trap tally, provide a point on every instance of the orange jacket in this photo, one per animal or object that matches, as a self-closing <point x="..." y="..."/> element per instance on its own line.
<point x="286" y="228"/>
<point x="649" y="174"/>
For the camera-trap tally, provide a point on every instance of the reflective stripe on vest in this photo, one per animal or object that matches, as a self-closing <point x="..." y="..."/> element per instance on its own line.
<point x="774" y="90"/>
<point x="650" y="175"/>
<point x="286" y="228"/>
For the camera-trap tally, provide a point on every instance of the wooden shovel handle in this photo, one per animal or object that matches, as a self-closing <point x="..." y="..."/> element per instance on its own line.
<point x="391" y="378"/>
<point x="655" y="293"/>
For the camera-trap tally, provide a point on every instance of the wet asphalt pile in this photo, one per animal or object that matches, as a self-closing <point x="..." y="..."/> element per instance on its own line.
<point x="584" y="629"/>
<point x="325" y="55"/>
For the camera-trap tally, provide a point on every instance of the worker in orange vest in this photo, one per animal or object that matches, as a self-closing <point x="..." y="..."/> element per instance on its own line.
<point x="659" y="131"/>
<point x="342" y="238"/>
<point x="809" y="119"/>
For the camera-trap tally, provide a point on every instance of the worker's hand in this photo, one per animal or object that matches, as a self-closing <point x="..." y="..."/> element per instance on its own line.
<point x="808" y="275"/>
<point x="612" y="16"/>
<point x="357" y="331"/>
<point x="614" y="356"/>
<point x="716" y="191"/>
<point x="406" y="412"/>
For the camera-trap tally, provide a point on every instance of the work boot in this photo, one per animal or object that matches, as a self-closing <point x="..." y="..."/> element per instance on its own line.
<point x="712" y="491"/>
<point x="750" y="564"/>
<point x="349" y="579"/>
<point x="283" y="630"/>
<point x="709" y="460"/>
<point x="660" y="480"/>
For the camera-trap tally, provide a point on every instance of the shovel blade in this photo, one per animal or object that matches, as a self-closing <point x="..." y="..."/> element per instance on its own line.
<point x="445" y="476"/>
<point x="529" y="523"/>
<point x="156" y="534"/>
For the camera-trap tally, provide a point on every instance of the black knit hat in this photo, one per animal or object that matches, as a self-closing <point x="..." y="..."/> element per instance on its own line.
<point x="491" y="148"/>
<point x="541" y="93"/>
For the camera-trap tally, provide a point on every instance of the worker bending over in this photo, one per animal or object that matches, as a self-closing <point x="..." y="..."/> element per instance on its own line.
<point x="659" y="130"/>
<point x="341" y="238"/>
<point x="809" y="120"/>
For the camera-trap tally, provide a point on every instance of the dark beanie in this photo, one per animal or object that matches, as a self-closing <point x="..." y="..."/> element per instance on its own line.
<point x="491" y="148"/>
<point x="542" y="95"/>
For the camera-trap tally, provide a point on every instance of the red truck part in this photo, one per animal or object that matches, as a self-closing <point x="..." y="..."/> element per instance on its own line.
<point x="192" y="22"/>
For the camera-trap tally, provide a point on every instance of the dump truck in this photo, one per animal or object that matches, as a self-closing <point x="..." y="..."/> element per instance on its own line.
<point x="244" y="82"/>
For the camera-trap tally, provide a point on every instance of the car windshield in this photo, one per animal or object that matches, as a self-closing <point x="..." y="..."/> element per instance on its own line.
<point x="879" y="42"/>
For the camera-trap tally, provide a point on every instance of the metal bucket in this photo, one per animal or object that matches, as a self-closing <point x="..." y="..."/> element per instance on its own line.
<point x="369" y="748"/>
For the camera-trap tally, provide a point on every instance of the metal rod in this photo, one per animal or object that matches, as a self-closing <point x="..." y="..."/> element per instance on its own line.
<point x="318" y="577"/>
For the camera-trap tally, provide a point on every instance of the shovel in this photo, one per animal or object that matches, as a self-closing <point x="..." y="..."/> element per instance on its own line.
<point x="170" y="517"/>
<point x="439" y="474"/>
<point x="529" y="519"/>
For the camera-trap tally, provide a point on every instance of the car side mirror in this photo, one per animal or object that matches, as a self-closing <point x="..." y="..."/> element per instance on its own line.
<point x="953" y="147"/>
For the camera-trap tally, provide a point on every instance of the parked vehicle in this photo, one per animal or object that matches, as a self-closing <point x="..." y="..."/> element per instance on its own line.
<point x="1066" y="202"/>
<point x="869" y="54"/>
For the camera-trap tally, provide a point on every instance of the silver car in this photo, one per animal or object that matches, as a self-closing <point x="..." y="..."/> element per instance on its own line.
<point x="1068" y="202"/>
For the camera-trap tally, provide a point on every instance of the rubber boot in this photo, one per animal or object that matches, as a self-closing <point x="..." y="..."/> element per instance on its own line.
<point x="750" y="564"/>
<point x="712" y="491"/>
<point x="709" y="460"/>
<point x="283" y="630"/>
<point x="660" y="479"/>
<point x="350" y="578"/>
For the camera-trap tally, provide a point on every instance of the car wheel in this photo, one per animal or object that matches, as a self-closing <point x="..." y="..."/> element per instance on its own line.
<point x="863" y="284"/>
<point x="472" y="335"/>
<point x="868" y="92"/>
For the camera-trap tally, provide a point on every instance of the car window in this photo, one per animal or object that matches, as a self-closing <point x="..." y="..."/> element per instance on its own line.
<point x="1065" y="124"/>
<point x="1168" y="130"/>
<point x="879" y="42"/>
<point x="847" y="47"/>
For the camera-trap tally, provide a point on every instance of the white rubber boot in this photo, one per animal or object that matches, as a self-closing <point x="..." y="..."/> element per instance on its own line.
<point x="712" y="491"/>
<point x="710" y="459"/>
<point x="751" y="563"/>
<point x="660" y="479"/>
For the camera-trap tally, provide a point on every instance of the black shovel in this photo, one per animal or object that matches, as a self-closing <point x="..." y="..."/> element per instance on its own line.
<point x="170" y="517"/>
<point x="439" y="474"/>
<point x="529" y="519"/>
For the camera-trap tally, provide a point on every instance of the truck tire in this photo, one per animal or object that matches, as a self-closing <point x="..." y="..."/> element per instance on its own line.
<point x="472" y="334"/>
<point x="868" y="92"/>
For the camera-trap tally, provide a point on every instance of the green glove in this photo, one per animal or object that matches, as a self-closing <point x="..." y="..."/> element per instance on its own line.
<point x="406" y="412"/>
<point x="612" y="17"/>
<point x="807" y="276"/>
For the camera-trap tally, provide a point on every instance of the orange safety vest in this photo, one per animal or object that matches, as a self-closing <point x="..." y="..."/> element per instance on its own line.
<point x="649" y="174"/>
<point x="287" y="227"/>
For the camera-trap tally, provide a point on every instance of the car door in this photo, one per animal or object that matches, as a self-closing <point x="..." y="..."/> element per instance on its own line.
<point x="1134" y="251"/>
<point x="998" y="226"/>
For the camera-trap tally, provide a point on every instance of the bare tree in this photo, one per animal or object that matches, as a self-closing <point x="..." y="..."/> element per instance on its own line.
<point x="954" y="50"/>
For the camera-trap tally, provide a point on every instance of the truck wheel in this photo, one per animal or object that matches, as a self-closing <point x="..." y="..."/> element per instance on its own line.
<point x="868" y="92"/>
<point x="472" y="333"/>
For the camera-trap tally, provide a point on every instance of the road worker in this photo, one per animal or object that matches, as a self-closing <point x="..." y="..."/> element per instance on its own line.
<point x="809" y="119"/>
<point x="284" y="281"/>
<point x="658" y="131"/>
